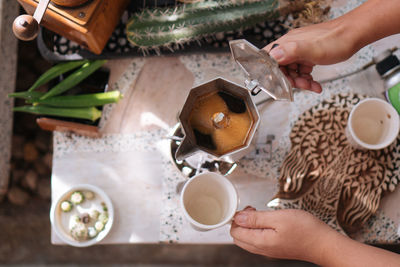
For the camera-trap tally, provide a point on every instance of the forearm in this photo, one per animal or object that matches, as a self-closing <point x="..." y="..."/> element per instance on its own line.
<point x="341" y="251"/>
<point x="371" y="21"/>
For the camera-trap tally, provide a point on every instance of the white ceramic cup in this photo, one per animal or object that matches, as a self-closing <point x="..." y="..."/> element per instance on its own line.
<point x="373" y="124"/>
<point x="209" y="200"/>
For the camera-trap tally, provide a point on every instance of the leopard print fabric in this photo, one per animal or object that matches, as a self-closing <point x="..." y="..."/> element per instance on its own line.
<point x="326" y="176"/>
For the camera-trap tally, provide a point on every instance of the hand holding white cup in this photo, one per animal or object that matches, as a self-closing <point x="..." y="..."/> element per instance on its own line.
<point x="209" y="201"/>
<point x="373" y="124"/>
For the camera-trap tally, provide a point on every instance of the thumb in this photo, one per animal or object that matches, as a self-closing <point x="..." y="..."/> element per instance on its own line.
<point x="290" y="52"/>
<point x="255" y="219"/>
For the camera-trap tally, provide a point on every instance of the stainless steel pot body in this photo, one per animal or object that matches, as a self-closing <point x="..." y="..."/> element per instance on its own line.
<point x="189" y="144"/>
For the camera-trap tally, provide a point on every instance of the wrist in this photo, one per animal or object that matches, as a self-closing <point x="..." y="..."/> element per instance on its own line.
<point x="351" y="40"/>
<point x="328" y="248"/>
<point x="355" y="33"/>
<point x="371" y="21"/>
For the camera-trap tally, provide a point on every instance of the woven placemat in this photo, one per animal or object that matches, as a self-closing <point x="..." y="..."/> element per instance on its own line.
<point x="324" y="175"/>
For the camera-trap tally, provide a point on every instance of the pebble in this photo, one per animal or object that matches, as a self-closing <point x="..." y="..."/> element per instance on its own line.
<point x="48" y="160"/>
<point x="17" y="147"/>
<point x="18" y="141"/>
<point x="44" y="189"/>
<point x="30" y="169"/>
<point x="31" y="180"/>
<point x="30" y="152"/>
<point x="41" y="168"/>
<point x="17" y="175"/>
<point x="17" y="196"/>
<point x="42" y="141"/>
<point x="3" y="194"/>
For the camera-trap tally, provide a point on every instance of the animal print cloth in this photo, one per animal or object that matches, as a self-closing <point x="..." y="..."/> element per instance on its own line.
<point x="324" y="175"/>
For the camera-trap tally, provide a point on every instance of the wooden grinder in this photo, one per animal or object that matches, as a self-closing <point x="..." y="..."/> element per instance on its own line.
<point x="86" y="22"/>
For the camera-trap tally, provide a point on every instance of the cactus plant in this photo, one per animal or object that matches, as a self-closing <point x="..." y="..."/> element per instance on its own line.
<point x="151" y="29"/>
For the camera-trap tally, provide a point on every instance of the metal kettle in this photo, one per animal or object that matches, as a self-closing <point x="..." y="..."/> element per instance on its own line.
<point x="263" y="75"/>
<point x="190" y="145"/>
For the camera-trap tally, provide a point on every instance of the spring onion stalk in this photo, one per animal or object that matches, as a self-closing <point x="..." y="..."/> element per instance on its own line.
<point x="55" y="72"/>
<point x="77" y="101"/>
<point x="75" y="78"/>
<point x="88" y="113"/>
<point x="27" y="95"/>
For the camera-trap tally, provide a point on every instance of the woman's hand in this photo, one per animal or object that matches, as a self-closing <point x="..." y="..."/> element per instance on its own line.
<point x="333" y="41"/>
<point x="298" y="235"/>
<point x="298" y="51"/>
<point x="285" y="234"/>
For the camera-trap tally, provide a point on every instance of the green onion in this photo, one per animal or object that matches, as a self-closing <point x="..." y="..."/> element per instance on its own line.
<point x="77" y="101"/>
<point x="27" y="95"/>
<point x="74" y="78"/>
<point x="89" y="113"/>
<point x="56" y="71"/>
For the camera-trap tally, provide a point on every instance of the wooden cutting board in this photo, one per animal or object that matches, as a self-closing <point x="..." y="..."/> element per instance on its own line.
<point x="154" y="99"/>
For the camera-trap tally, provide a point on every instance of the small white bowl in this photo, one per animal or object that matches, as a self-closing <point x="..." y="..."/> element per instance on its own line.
<point x="63" y="233"/>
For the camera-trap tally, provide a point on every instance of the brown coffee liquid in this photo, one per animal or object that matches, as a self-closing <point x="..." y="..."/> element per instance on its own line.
<point x="221" y="122"/>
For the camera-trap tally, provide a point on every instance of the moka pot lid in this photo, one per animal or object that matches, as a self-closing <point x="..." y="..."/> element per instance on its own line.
<point x="262" y="71"/>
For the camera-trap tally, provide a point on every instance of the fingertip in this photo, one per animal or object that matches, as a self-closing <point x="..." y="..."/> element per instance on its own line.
<point x="285" y="53"/>
<point x="278" y="54"/>
<point x="316" y="87"/>
<point x="302" y="83"/>
<point x="241" y="217"/>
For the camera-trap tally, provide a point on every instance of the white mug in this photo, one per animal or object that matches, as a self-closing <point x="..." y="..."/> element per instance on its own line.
<point x="373" y="124"/>
<point x="208" y="201"/>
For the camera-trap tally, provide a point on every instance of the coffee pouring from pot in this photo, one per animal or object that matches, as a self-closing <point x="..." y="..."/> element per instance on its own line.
<point x="263" y="74"/>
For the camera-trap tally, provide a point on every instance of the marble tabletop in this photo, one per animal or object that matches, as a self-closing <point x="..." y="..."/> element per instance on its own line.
<point x="131" y="162"/>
